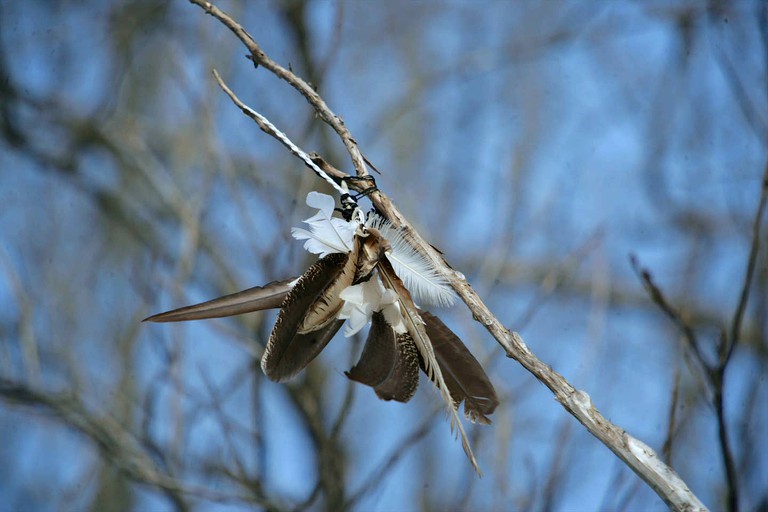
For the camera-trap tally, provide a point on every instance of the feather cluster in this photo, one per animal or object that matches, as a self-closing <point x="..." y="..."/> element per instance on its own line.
<point x="367" y="273"/>
<point x="328" y="234"/>
<point x="400" y="276"/>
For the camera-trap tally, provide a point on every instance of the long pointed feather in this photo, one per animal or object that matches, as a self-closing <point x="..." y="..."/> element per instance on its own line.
<point x="257" y="298"/>
<point x="307" y="319"/>
<point x="463" y="374"/>
<point x="415" y="326"/>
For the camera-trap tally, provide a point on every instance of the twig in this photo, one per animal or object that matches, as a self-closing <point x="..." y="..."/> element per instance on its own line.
<point x="657" y="296"/>
<point x="727" y="346"/>
<point x="714" y="376"/>
<point x="715" y="373"/>
<point x="738" y="315"/>
<point x="260" y="58"/>
<point x="666" y="450"/>
<point x="270" y="129"/>
<point x="29" y="347"/>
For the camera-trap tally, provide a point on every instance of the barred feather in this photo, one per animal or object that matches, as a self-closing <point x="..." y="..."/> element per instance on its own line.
<point x="415" y="326"/>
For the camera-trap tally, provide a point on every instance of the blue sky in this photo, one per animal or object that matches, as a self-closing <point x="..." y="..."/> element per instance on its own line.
<point x="537" y="145"/>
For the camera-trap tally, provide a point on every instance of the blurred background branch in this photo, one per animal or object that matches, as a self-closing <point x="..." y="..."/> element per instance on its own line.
<point x="537" y="145"/>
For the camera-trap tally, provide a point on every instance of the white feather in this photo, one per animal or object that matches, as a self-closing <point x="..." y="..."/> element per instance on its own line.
<point x="362" y="300"/>
<point x="418" y="274"/>
<point x="327" y="234"/>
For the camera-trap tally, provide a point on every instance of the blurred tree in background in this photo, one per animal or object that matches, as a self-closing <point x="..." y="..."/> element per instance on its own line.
<point x="538" y="145"/>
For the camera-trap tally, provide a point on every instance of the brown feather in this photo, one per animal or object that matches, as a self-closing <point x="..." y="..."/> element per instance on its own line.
<point x="416" y="329"/>
<point x="463" y="374"/>
<point x="257" y="298"/>
<point x="327" y="303"/>
<point x="295" y="341"/>
<point x="379" y="354"/>
<point x="389" y="362"/>
<point x="404" y="379"/>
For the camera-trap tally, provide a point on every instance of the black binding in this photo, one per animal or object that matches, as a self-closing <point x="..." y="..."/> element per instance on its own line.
<point x="349" y="201"/>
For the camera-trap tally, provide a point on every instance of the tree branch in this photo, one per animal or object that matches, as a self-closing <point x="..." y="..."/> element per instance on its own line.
<point x="658" y="298"/>
<point x="260" y="58"/>
<point x="738" y="314"/>
<point x="715" y="373"/>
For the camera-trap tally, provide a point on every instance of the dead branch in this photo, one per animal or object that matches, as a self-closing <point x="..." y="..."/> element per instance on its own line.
<point x="260" y="58"/>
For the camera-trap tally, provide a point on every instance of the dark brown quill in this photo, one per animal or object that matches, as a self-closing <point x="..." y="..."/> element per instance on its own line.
<point x="258" y="298"/>
<point x="462" y="373"/>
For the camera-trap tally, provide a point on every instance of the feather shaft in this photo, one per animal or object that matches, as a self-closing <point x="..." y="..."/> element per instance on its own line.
<point x="415" y="326"/>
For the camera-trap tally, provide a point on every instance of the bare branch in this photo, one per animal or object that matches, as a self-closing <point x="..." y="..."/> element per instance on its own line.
<point x="657" y="296"/>
<point x="715" y="374"/>
<point x="270" y="129"/>
<point x="738" y="315"/>
<point x="727" y="346"/>
<point x="117" y="444"/>
<point x="666" y="449"/>
<point x="260" y="58"/>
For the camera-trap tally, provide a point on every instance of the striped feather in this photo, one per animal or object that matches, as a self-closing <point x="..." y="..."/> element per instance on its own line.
<point x="307" y="319"/>
<point x="389" y="362"/>
<point x="415" y="326"/>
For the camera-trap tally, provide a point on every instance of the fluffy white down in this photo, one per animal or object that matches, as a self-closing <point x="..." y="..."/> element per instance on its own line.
<point x="328" y="234"/>
<point x="426" y="284"/>
<point x="362" y="300"/>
